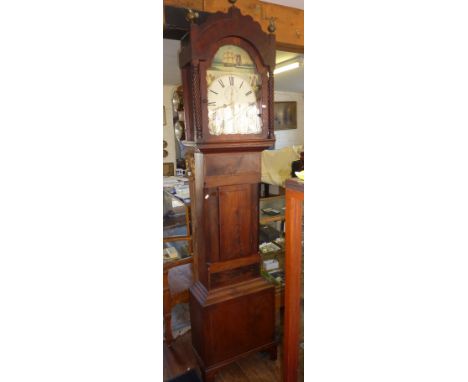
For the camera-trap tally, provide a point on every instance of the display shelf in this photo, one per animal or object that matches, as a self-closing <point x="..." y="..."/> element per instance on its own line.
<point x="273" y="203"/>
<point x="271" y="220"/>
<point x="177" y="251"/>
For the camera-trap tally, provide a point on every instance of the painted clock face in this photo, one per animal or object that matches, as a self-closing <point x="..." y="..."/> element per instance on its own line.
<point x="233" y="93"/>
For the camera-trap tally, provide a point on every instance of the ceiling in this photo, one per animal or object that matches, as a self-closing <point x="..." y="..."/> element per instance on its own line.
<point x="289" y="3"/>
<point x="292" y="81"/>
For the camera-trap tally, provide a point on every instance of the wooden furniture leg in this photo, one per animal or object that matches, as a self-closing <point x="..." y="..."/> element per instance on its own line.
<point x="167" y="308"/>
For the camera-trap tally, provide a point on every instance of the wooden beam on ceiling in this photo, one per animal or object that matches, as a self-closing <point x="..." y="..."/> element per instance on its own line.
<point x="289" y="21"/>
<point x="175" y="24"/>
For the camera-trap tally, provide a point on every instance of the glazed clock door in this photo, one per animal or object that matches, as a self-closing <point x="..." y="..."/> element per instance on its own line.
<point x="233" y="91"/>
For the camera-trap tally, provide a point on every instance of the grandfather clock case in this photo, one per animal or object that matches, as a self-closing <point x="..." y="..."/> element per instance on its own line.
<point x="227" y="67"/>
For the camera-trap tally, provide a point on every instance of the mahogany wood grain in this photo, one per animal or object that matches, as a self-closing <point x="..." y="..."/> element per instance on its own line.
<point x="235" y="163"/>
<point x="293" y="265"/>
<point x="233" y="276"/>
<point x="236" y="231"/>
<point x="226" y="180"/>
<point x="173" y="238"/>
<point x="249" y="7"/>
<point x="176" y="263"/>
<point x="211" y="223"/>
<point x="235" y="263"/>
<point x="222" y="147"/>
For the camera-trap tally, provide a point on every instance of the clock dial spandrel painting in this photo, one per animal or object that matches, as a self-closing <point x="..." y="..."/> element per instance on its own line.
<point x="233" y="87"/>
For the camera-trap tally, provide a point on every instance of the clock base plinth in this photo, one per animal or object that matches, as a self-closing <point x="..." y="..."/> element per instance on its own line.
<point x="231" y="322"/>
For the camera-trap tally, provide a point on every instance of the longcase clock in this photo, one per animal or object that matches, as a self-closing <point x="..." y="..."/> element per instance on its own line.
<point x="227" y="73"/>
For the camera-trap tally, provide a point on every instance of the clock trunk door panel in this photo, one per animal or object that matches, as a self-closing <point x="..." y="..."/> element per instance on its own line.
<point x="238" y="221"/>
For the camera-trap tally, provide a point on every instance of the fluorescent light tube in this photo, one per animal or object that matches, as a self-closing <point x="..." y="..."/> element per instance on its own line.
<point x="287" y="67"/>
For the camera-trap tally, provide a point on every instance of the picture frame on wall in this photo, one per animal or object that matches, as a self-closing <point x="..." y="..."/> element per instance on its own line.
<point x="285" y="114"/>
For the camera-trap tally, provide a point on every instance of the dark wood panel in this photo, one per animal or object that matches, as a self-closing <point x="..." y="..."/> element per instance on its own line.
<point x="244" y="323"/>
<point x="211" y="224"/>
<point x="233" y="276"/>
<point x="197" y="321"/>
<point x="235" y="263"/>
<point x="248" y="7"/>
<point x="187" y="95"/>
<point x="235" y="163"/>
<point x="238" y="325"/>
<point x="254" y="218"/>
<point x="231" y="322"/>
<point x="235" y="221"/>
<point x="225" y="180"/>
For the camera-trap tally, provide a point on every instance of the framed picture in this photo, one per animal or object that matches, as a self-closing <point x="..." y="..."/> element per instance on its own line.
<point x="285" y="115"/>
<point x="164" y="116"/>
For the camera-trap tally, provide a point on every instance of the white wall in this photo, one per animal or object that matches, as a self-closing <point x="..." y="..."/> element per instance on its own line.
<point x="168" y="134"/>
<point x="296" y="136"/>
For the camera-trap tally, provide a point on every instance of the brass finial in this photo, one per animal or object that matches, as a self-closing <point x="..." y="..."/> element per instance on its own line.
<point x="191" y="16"/>
<point x="272" y="25"/>
<point x="232" y="2"/>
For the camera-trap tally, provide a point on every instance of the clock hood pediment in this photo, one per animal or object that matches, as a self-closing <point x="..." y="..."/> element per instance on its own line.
<point x="230" y="49"/>
<point x="218" y="26"/>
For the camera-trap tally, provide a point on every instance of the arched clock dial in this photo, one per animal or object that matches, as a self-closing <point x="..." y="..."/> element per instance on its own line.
<point x="232" y="106"/>
<point x="233" y="86"/>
